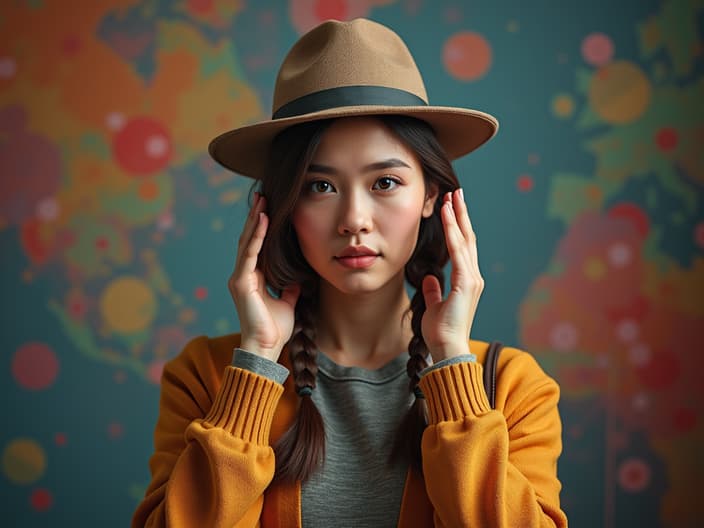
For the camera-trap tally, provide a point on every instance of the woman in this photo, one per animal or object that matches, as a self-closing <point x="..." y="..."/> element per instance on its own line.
<point x="344" y="402"/>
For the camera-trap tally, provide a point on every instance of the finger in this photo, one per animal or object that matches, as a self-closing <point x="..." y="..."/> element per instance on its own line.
<point x="252" y="220"/>
<point x="462" y="216"/>
<point x="248" y="262"/>
<point x="431" y="290"/>
<point x="465" y="225"/>
<point x="456" y="243"/>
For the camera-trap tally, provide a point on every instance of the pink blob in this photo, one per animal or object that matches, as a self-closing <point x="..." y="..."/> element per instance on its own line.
<point x="597" y="49"/>
<point x="525" y="183"/>
<point x="467" y="56"/>
<point x="41" y="499"/>
<point x="155" y="370"/>
<point x="35" y="366"/>
<point x="115" y="430"/>
<point x="60" y="439"/>
<point x="201" y="293"/>
<point x="666" y="139"/>
<point x="634" y="475"/>
<point x="330" y="9"/>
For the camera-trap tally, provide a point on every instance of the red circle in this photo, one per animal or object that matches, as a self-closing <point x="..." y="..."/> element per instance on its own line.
<point x="60" y="439"/>
<point x="142" y="146"/>
<point x="666" y="139"/>
<point x="35" y="366"/>
<point x="41" y="499"/>
<point x="201" y="292"/>
<point x="467" y="56"/>
<point x="115" y="430"/>
<point x="330" y="9"/>
<point x="633" y="213"/>
<point x="101" y="243"/>
<point x="525" y="183"/>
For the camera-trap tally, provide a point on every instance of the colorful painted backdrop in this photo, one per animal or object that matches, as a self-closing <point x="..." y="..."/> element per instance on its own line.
<point x="118" y="233"/>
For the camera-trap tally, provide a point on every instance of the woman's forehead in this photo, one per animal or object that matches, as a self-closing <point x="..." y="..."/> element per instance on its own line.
<point x="362" y="142"/>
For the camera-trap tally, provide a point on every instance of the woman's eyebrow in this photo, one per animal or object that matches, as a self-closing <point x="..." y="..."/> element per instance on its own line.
<point x="378" y="165"/>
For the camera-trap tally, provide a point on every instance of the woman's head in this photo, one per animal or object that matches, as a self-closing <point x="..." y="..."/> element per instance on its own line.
<point x="366" y="181"/>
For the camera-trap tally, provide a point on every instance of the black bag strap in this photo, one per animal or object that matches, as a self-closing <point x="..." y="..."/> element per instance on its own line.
<point x="492" y="358"/>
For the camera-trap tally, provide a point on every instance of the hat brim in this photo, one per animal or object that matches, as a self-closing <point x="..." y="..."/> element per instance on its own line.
<point x="244" y="150"/>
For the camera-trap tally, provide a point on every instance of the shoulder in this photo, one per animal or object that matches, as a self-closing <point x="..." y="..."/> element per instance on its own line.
<point x="521" y="382"/>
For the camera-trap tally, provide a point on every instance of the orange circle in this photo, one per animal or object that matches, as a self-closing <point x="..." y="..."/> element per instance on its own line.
<point x="467" y="56"/>
<point x="620" y="92"/>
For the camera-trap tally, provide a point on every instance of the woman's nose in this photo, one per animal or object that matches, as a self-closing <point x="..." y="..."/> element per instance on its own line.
<point x="355" y="216"/>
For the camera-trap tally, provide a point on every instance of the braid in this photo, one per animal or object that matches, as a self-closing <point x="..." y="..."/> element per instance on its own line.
<point x="407" y="442"/>
<point x="301" y="450"/>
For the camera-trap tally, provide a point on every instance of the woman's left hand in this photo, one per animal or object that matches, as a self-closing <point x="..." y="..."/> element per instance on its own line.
<point x="447" y="323"/>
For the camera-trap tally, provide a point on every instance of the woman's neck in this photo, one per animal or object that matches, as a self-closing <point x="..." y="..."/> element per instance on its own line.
<point x="364" y="330"/>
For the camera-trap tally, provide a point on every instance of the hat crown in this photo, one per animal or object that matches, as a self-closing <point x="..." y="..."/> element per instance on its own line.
<point x="337" y="54"/>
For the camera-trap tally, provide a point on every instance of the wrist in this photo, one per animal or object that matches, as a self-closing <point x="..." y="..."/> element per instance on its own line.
<point x="253" y="347"/>
<point x="449" y="351"/>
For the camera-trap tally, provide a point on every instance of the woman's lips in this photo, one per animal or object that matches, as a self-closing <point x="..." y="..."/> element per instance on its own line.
<point x="357" y="262"/>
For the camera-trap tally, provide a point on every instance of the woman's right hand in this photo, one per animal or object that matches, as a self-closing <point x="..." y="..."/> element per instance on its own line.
<point x="266" y="323"/>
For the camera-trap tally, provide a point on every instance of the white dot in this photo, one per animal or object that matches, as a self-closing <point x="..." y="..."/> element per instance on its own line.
<point x="627" y="330"/>
<point x="165" y="221"/>
<point x="156" y="146"/>
<point x="115" y="120"/>
<point x="8" y="67"/>
<point x="48" y="208"/>
<point x="619" y="255"/>
<point x="603" y="361"/>
<point x="563" y="336"/>
<point x="639" y="354"/>
<point x="640" y="401"/>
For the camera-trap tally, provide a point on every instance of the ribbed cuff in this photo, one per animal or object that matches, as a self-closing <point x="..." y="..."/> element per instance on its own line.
<point x="259" y="365"/>
<point x="447" y="361"/>
<point x="245" y="405"/>
<point x="455" y="392"/>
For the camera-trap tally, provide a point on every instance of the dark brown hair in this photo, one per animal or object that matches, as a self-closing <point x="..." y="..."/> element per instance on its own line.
<point x="301" y="450"/>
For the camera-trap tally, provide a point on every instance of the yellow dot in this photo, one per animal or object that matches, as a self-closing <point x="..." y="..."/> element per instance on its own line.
<point x="187" y="315"/>
<point x="619" y="92"/>
<point x="563" y="106"/>
<point x="594" y="268"/>
<point x="217" y="224"/>
<point x="128" y="305"/>
<point x="23" y="461"/>
<point x="231" y="196"/>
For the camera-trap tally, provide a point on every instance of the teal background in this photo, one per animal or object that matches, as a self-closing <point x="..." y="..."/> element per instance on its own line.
<point x="66" y="67"/>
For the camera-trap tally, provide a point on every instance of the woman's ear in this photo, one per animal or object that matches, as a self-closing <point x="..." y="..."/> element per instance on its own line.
<point x="430" y="197"/>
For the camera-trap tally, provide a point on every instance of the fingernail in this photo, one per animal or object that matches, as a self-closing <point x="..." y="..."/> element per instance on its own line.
<point x="461" y="193"/>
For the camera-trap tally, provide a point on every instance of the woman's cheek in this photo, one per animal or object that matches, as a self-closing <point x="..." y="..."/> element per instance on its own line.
<point x="306" y="223"/>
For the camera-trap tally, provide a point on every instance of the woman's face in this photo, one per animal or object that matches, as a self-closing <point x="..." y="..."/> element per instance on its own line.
<point x="358" y="215"/>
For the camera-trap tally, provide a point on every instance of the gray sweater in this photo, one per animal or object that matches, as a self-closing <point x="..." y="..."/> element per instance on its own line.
<point x="361" y="410"/>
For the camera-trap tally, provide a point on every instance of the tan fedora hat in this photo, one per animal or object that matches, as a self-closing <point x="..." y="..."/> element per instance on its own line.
<point x="342" y="69"/>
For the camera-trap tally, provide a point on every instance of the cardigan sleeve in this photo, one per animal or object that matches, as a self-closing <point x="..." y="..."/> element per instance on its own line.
<point x="214" y="474"/>
<point x="485" y="467"/>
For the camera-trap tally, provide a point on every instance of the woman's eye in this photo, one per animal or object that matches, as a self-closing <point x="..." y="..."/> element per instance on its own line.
<point x="320" y="186"/>
<point x="385" y="183"/>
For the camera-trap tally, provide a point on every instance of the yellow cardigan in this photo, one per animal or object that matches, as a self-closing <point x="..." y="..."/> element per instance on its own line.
<point x="213" y="460"/>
